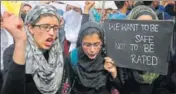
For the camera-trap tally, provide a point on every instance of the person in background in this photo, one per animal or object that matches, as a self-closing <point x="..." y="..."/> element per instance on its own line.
<point x="24" y="10"/>
<point x="6" y="41"/>
<point x="95" y="15"/>
<point x="134" y="81"/>
<point x="123" y="9"/>
<point x="73" y="21"/>
<point x="72" y="18"/>
<point x="108" y="11"/>
<point x="171" y="8"/>
<point x="159" y="9"/>
<point x="34" y="64"/>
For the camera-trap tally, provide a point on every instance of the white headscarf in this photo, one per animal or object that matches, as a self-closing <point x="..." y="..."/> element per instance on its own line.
<point x="73" y="23"/>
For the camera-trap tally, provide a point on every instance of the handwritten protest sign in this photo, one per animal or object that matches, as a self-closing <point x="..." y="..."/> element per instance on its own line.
<point x="140" y="45"/>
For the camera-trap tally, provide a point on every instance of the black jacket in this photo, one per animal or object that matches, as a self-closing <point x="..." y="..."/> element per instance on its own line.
<point x="131" y="86"/>
<point x="15" y="79"/>
<point x="168" y="83"/>
<point x="76" y="88"/>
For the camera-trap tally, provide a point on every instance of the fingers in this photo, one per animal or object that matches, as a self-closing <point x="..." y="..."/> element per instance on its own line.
<point x="90" y="3"/>
<point x="12" y="22"/>
<point x="108" y="65"/>
<point x="108" y="59"/>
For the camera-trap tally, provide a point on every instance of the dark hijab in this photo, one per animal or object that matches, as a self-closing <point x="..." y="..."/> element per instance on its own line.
<point x="91" y="72"/>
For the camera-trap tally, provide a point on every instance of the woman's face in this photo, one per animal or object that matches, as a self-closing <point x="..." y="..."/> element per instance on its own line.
<point x="26" y="9"/>
<point x="91" y="45"/>
<point x="45" y="31"/>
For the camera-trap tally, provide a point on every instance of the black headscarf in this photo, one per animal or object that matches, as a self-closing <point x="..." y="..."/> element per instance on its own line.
<point x="91" y="73"/>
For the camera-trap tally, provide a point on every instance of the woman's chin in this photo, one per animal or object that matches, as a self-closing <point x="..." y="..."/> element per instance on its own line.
<point x="45" y="47"/>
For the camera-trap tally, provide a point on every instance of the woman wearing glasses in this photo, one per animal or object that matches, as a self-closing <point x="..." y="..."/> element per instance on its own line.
<point x="34" y="64"/>
<point x="90" y="70"/>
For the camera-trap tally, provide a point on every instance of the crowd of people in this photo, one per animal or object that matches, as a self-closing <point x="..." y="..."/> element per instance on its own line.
<point x="54" y="50"/>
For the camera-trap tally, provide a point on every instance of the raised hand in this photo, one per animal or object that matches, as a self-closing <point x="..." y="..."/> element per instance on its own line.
<point x="88" y="6"/>
<point x="14" y="25"/>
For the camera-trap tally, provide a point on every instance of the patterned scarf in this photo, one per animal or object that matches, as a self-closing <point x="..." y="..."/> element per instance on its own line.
<point x="47" y="75"/>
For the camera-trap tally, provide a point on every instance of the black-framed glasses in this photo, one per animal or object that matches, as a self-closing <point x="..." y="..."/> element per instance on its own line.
<point x="89" y="45"/>
<point x="47" y="27"/>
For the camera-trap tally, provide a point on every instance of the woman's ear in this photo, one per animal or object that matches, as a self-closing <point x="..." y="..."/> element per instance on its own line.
<point x="30" y="27"/>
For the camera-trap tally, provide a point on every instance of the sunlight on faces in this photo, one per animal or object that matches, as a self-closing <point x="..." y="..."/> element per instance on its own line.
<point x="145" y="17"/>
<point x="91" y="45"/>
<point x="45" y="39"/>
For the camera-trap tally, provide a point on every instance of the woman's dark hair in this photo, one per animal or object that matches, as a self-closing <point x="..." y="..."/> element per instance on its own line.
<point x="90" y="31"/>
<point x="119" y="4"/>
<point x="26" y="5"/>
<point x="147" y="3"/>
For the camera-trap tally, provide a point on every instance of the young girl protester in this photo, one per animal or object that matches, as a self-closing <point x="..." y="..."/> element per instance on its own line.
<point x="92" y="72"/>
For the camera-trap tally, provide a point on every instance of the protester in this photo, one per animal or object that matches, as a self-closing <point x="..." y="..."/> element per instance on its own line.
<point x="123" y="9"/>
<point x="6" y="41"/>
<point x="171" y="8"/>
<point x="25" y="9"/>
<point x="95" y="15"/>
<point x="92" y="72"/>
<point x="34" y="64"/>
<point x="133" y="81"/>
<point x="73" y="18"/>
<point x="159" y="9"/>
<point x="107" y="12"/>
